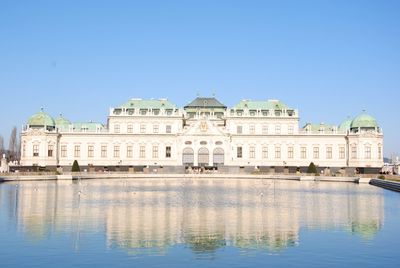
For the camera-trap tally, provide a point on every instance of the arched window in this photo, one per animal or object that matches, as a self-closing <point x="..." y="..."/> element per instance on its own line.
<point x="188" y="157"/>
<point x="203" y="157"/>
<point x="218" y="156"/>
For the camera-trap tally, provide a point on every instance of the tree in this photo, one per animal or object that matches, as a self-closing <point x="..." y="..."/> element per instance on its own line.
<point x="75" y="167"/>
<point x="1" y="146"/>
<point x="312" y="169"/>
<point x="12" y="146"/>
<point x="18" y="151"/>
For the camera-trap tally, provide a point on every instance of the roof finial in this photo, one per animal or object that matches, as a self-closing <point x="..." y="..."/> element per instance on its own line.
<point x="41" y="109"/>
<point x="198" y="93"/>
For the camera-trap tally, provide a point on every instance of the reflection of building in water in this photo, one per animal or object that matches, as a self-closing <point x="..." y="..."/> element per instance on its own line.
<point x="45" y="208"/>
<point x="203" y="214"/>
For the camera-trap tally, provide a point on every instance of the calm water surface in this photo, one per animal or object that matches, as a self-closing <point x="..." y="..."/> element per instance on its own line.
<point x="198" y="223"/>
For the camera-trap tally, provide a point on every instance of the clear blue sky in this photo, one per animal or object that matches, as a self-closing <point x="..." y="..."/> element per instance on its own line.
<point x="329" y="59"/>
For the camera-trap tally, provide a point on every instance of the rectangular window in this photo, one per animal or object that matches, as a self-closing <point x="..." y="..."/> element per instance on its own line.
<point x="168" y="129"/>
<point x="130" y="128"/>
<point x="90" y="151"/>
<point x="117" y="128"/>
<point x="155" y="128"/>
<point x="63" y="150"/>
<point x="239" y="152"/>
<point x="23" y="150"/>
<point x="50" y="150"/>
<point x="277" y="152"/>
<point x="155" y="151"/>
<point x="142" y="128"/>
<point x="328" y="152"/>
<point x="35" y="150"/>
<point x="278" y="129"/>
<point x="116" y="151"/>
<point x="252" y="152"/>
<point x="290" y="152"/>
<point x="168" y="151"/>
<point x="316" y="152"/>
<point x="342" y="152"/>
<point x="353" y="152"/>
<point x="265" y="152"/>
<point x="239" y="129"/>
<point x="104" y="151"/>
<point x="252" y="129"/>
<point x="367" y="152"/>
<point x="77" y="151"/>
<point x="129" y="151"/>
<point x="379" y="152"/>
<point x="290" y="130"/>
<point x="142" y="151"/>
<point x="303" y="152"/>
<point x="265" y="129"/>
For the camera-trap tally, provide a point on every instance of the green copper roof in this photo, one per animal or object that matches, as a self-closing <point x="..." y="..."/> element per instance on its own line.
<point x="261" y="105"/>
<point x="345" y="125"/>
<point x="61" y="121"/>
<point x="41" y="119"/>
<point x="317" y="127"/>
<point x="62" y="124"/>
<point x="201" y="102"/>
<point x="364" y="120"/>
<point x="87" y="126"/>
<point x="148" y="104"/>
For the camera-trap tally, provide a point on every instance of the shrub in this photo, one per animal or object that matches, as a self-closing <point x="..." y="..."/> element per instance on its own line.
<point x="381" y="177"/>
<point x="75" y="167"/>
<point x="312" y="169"/>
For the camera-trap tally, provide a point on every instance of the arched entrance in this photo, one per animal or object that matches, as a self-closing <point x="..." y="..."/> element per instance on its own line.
<point x="188" y="157"/>
<point x="204" y="157"/>
<point x="218" y="157"/>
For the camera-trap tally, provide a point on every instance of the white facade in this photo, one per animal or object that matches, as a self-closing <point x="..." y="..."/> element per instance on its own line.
<point x="156" y="133"/>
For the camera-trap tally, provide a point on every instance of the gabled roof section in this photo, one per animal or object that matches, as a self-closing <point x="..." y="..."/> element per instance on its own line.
<point x="201" y="102"/>
<point x="261" y="105"/>
<point x="148" y="104"/>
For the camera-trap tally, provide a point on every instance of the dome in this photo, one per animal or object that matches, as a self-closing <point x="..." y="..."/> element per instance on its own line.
<point x="61" y="121"/>
<point x="364" y="120"/>
<point x="345" y="125"/>
<point x="41" y="119"/>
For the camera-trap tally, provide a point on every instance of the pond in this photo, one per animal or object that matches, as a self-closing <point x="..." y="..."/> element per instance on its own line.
<point x="198" y="223"/>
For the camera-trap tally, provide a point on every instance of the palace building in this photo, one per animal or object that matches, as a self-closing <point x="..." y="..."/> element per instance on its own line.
<point x="154" y="133"/>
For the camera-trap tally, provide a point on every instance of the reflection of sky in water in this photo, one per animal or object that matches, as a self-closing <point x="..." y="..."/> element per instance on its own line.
<point x="157" y="218"/>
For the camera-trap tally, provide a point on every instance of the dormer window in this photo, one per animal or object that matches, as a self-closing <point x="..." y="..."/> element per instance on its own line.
<point x="143" y="111"/>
